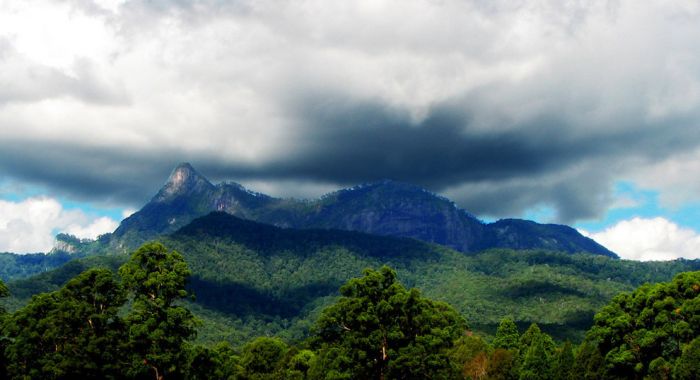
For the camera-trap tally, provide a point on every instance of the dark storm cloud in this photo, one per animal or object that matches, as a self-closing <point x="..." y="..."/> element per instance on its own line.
<point x="338" y="140"/>
<point x="87" y="173"/>
<point x="500" y="172"/>
<point x="502" y="106"/>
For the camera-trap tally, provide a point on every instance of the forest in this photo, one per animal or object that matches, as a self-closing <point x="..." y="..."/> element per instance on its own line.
<point x="134" y="323"/>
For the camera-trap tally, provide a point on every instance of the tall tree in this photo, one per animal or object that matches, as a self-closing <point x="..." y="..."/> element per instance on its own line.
<point x="380" y="330"/>
<point x="537" y="361"/>
<point x="563" y="363"/>
<point x="648" y="326"/>
<point x="158" y="325"/>
<point x="507" y="336"/>
<point x="588" y="363"/>
<point x="71" y="333"/>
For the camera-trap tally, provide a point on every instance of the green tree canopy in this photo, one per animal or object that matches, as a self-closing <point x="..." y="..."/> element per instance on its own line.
<point x="650" y="325"/>
<point x="158" y="326"/>
<point x="537" y="362"/>
<point x="380" y="330"/>
<point x="4" y="292"/>
<point x="507" y="335"/>
<point x="263" y="358"/>
<point x="563" y="363"/>
<point x="688" y="365"/>
<point x="71" y="333"/>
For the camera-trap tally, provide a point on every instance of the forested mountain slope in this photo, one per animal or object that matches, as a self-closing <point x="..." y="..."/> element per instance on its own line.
<point x="254" y="279"/>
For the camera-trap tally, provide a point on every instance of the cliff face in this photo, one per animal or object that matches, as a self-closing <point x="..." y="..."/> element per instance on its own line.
<point x="383" y="208"/>
<point x="397" y="209"/>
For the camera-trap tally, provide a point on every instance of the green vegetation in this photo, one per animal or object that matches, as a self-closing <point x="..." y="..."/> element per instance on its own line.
<point x="378" y="329"/>
<point x="645" y="332"/>
<point x="158" y="327"/>
<point x="137" y="325"/>
<point x="254" y="280"/>
<point x="13" y="266"/>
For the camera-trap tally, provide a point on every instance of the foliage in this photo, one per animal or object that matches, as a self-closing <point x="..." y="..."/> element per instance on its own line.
<point x="71" y="333"/>
<point x="470" y="355"/>
<point x="253" y="279"/>
<point x="14" y="266"/>
<point x="688" y="365"/>
<point x="588" y="364"/>
<point x="217" y="362"/>
<point x="507" y="335"/>
<point x="643" y="332"/>
<point x="4" y="292"/>
<point x="263" y="358"/>
<point x="158" y="327"/>
<point x="379" y="329"/>
<point x="503" y="365"/>
<point x="537" y="361"/>
<point x="563" y="363"/>
<point x="95" y="326"/>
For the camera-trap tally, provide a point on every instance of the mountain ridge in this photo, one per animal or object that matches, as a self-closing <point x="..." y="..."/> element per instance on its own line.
<point x="385" y="207"/>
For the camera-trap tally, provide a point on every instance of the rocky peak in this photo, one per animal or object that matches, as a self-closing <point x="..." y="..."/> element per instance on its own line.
<point x="183" y="180"/>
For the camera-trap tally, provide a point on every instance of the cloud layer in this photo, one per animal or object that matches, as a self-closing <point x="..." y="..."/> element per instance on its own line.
<point x="500" y="105"/>
<point x="30" y="225"/>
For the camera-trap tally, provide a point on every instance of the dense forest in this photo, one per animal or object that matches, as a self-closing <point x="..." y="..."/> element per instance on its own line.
<point x="252" y="279"/>
<point x="134" y="323"/>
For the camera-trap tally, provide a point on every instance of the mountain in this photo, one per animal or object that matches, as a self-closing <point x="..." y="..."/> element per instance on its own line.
<point x="252" y="279"/>
<point x="386" y="208"/>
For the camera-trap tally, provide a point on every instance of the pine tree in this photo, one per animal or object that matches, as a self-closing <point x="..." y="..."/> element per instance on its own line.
<point x="563" y="363"/>
<point x="507" y="336"/>
<point x="536" y="365"/>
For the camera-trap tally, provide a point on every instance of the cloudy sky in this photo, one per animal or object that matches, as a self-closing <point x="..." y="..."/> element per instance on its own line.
<point x="577" y="112"/>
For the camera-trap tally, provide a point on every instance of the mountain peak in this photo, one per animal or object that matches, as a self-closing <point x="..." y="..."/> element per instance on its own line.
<point x="182" y="173"/>
<point x="184" y="179"/>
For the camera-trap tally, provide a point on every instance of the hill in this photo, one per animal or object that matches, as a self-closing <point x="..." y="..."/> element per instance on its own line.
<point x="253" y="279"/>
<point x="385" y="208"/>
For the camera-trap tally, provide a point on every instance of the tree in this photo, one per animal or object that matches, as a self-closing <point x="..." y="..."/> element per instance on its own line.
<point x="588" y="364"/>
<point x="537" y="364"/>
<point x="470" y="353"/>
<point x="563" y="363"/>
<point x="688" y="365"/>
<point x="378" y="329"/>
<point x="217" y="362"/>
<point x="158" y="325"/>
<point x="650" y="325"/>
<point x="503" y="365"/>
<point x="4" y="292"/>
<point x="299" y="365"/>
<point x="507" y="336"/>
<point x="71" y="333"/>
<point x="263" y="358"/>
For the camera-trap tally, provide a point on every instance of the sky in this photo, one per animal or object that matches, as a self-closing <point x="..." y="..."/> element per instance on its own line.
<point x="577" y="112"/>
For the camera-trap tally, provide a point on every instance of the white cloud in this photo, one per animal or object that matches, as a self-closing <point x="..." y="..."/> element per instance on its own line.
<point x="649" y="239"/>
<point x="673" y="177"/>
<point x="128" y="212"/>
<point x="31" y="224"/>
<point x="218" y="80"/>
